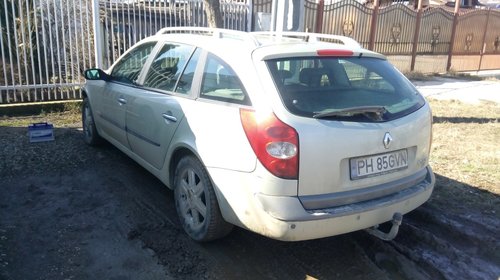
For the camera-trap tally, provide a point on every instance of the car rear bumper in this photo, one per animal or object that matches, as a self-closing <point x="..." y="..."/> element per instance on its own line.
<point x="285" y="218"/>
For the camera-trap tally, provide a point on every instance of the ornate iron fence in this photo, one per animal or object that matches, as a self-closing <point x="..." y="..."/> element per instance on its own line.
<point x="433" y="39"/>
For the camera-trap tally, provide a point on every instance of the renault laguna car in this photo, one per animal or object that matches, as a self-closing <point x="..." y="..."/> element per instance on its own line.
<point x="294" y="136"/>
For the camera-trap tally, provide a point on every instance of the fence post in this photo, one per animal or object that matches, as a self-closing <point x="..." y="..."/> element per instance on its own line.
<point x="483" y="50"/>
<point x="249" y="10"/>
<point x="415" y="36"/>
<point x="96" y="24"/>
<point x="373" y="28"/>
<point x="453" y="33"/>
<point x="319" y="16"/>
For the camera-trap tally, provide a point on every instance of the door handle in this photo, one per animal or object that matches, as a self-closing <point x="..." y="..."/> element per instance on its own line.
<point x="122" y="101"/>
<point x="169" y="117"/>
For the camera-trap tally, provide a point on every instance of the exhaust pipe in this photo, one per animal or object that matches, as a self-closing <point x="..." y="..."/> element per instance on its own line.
<point x="397" y="218"/>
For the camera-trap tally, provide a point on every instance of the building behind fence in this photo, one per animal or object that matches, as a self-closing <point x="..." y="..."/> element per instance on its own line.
<point x="46" y="44"/>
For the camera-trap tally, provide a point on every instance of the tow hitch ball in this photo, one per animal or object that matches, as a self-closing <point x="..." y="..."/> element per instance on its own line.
<point x="396" y="222"/>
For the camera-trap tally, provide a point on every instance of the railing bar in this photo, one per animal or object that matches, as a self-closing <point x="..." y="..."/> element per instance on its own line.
<point x="118" y="41"/>
<point x="112" y="26"/>
<point x="70" y="46"/>
<point x="106" y="34"/>
<point x="89" y="39"/>
<point x="4" y="64"/>
<point x="23" y="39"/>
<point x="133" y="29"/>
<point x="82" y="29"/>
<point x="165" y="13"/>
<point x="65" y="58"/>
<point x="58" y="47"/>
<point x="170" y="14"/>
<point x="123" y="28"/>
<point x="129" y="29"/>
<point x="16" y="41"/>
<point x="156" y="16"/>
<point x="30" y="40"/>
<point x="140" y="21"/>
<point x="44" y="42"/>
<point x="38" y="44"/>
<point x="77" y="54"/>
<point x="12" y="69"/>
<point x="148" y="28"/>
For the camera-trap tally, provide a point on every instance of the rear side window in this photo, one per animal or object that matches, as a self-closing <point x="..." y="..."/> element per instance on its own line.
<point x="168" y="66"/>
<point x="221" y="83"/>
<point x="349" y="89"/>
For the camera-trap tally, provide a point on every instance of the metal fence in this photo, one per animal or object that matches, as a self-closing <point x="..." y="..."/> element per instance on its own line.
<point x="46" y="44"/>
<point x="433" y="39"/>
<point x="43" y="49"/>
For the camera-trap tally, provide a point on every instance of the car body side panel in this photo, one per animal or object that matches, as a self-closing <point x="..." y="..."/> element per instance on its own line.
<point x="109" y="113"/>
<point x="216" y="133"/>
<point x="152" y="119"/>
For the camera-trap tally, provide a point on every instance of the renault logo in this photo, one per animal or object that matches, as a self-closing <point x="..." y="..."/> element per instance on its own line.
<point x="387" y="140"/>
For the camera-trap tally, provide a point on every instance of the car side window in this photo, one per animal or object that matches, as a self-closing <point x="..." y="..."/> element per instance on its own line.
<point x="127" y="70"/>
<point x="186" y="80"/>
<point x="168" y="66"/>
<point x="221" y="83"/>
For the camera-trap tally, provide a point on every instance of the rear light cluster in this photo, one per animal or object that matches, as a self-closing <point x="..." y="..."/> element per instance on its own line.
<point x="275" y="143"/>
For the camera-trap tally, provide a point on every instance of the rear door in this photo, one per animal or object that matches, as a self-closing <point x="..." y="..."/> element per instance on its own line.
<point x="154" y="112"/>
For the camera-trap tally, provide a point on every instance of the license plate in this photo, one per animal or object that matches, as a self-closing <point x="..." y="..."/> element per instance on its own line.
<point x="375" y="165"/>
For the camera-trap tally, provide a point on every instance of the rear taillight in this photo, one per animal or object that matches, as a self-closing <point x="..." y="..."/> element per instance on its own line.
<point x="275" y="143"/>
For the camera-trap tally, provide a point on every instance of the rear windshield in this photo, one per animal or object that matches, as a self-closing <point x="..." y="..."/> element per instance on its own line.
<point x="348" y="89"/>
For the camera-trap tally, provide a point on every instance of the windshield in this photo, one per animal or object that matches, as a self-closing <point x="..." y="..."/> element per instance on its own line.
<point x="350" y="89"/>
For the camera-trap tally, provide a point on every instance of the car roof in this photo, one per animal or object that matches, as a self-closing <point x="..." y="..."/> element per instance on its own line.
<point x="262" y="45"/>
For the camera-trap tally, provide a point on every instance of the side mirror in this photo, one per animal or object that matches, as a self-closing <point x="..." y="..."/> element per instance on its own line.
<point x="95" y="74"/>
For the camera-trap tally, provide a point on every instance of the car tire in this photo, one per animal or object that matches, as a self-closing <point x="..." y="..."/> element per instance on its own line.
<point x="196" y="202"/>
<point x="90" y="134"/>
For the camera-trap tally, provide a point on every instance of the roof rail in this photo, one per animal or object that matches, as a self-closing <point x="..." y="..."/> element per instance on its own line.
<point x="214" y="32"/>
<point x="315" y="37"/>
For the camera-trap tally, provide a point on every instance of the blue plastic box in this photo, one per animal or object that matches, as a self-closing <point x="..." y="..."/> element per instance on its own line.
<point x="41" y="132"/>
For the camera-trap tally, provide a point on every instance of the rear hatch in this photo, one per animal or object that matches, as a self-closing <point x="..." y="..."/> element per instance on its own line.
<point x="361" y="126"/>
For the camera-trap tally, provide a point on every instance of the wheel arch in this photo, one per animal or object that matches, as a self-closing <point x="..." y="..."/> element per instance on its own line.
<point x="183" y="151"/>
<point x="176" y="156"/>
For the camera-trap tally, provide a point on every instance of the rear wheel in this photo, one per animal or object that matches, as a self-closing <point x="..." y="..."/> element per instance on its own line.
<point x="90" y="135"/>
<point x="196" y="202"/>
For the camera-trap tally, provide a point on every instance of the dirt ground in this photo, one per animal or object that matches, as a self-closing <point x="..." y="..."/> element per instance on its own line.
<point x="68" y="211"/>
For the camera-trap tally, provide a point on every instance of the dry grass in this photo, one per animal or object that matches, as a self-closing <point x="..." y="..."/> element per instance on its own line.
<point x="70" y="117"/>
<point x="466" y="143"/>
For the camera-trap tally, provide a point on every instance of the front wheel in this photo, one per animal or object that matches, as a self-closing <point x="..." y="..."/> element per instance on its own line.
<point x="196" y="202"/>
<point x="90" y="135"/>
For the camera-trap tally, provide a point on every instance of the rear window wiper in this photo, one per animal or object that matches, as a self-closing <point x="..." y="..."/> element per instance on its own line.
<point x="372" y="112"/>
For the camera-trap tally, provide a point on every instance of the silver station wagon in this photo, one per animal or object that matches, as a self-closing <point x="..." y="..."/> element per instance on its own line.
<point x="294" y="136"/>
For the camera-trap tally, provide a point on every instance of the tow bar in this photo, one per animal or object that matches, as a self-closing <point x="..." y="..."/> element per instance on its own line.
<point x="397" y="218"/>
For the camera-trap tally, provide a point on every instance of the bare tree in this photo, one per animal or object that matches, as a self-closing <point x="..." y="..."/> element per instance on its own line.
<point x="214" y="15"/>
